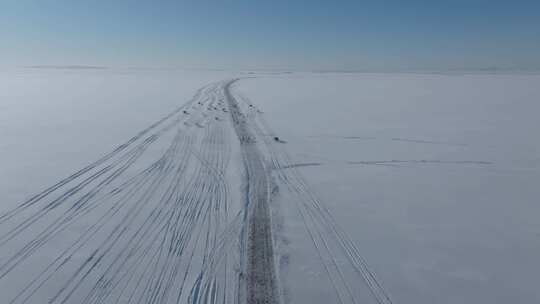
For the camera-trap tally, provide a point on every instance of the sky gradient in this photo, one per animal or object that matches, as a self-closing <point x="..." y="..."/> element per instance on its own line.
<point x="280" y="34"/>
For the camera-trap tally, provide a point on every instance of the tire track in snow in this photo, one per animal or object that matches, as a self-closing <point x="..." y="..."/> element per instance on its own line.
<point x="146" y="227"/>
<point x="328" y="238"/>
<point x="159" y="228"/>
<point x="260" y="275"/>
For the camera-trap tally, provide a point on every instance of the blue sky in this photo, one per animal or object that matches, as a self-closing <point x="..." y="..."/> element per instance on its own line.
<point x="341" y="35"/>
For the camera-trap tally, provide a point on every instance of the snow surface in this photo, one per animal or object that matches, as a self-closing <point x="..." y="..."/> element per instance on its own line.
<point x="55" y="121"/>
<point x="433" y="177"/>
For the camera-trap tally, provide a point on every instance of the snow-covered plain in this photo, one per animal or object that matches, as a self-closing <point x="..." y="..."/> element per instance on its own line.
<point x="434" y="178"/>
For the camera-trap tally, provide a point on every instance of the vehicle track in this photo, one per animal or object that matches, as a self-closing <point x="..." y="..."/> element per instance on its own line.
<point x="154" y="221"/>
<point x="260" y="280"/>
<point x="329" y="239"/>
<point x="153" y="224"/>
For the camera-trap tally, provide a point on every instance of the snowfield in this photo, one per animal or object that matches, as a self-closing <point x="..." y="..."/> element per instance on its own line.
<point x="141" y="186"/>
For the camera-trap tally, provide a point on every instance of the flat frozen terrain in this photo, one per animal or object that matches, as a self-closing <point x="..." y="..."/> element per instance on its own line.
<point x="382" y="188"/>
<point x="435" y="177"/>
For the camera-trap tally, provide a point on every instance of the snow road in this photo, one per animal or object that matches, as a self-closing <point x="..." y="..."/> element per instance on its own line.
<point x="204" y="205"/>
<point x="165" y="217"/>
<point x="260" y="280"/>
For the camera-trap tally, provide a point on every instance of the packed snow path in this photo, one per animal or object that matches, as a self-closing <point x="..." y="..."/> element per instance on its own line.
<point x="260" y="269"/>
<point x="166" y="218"/>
